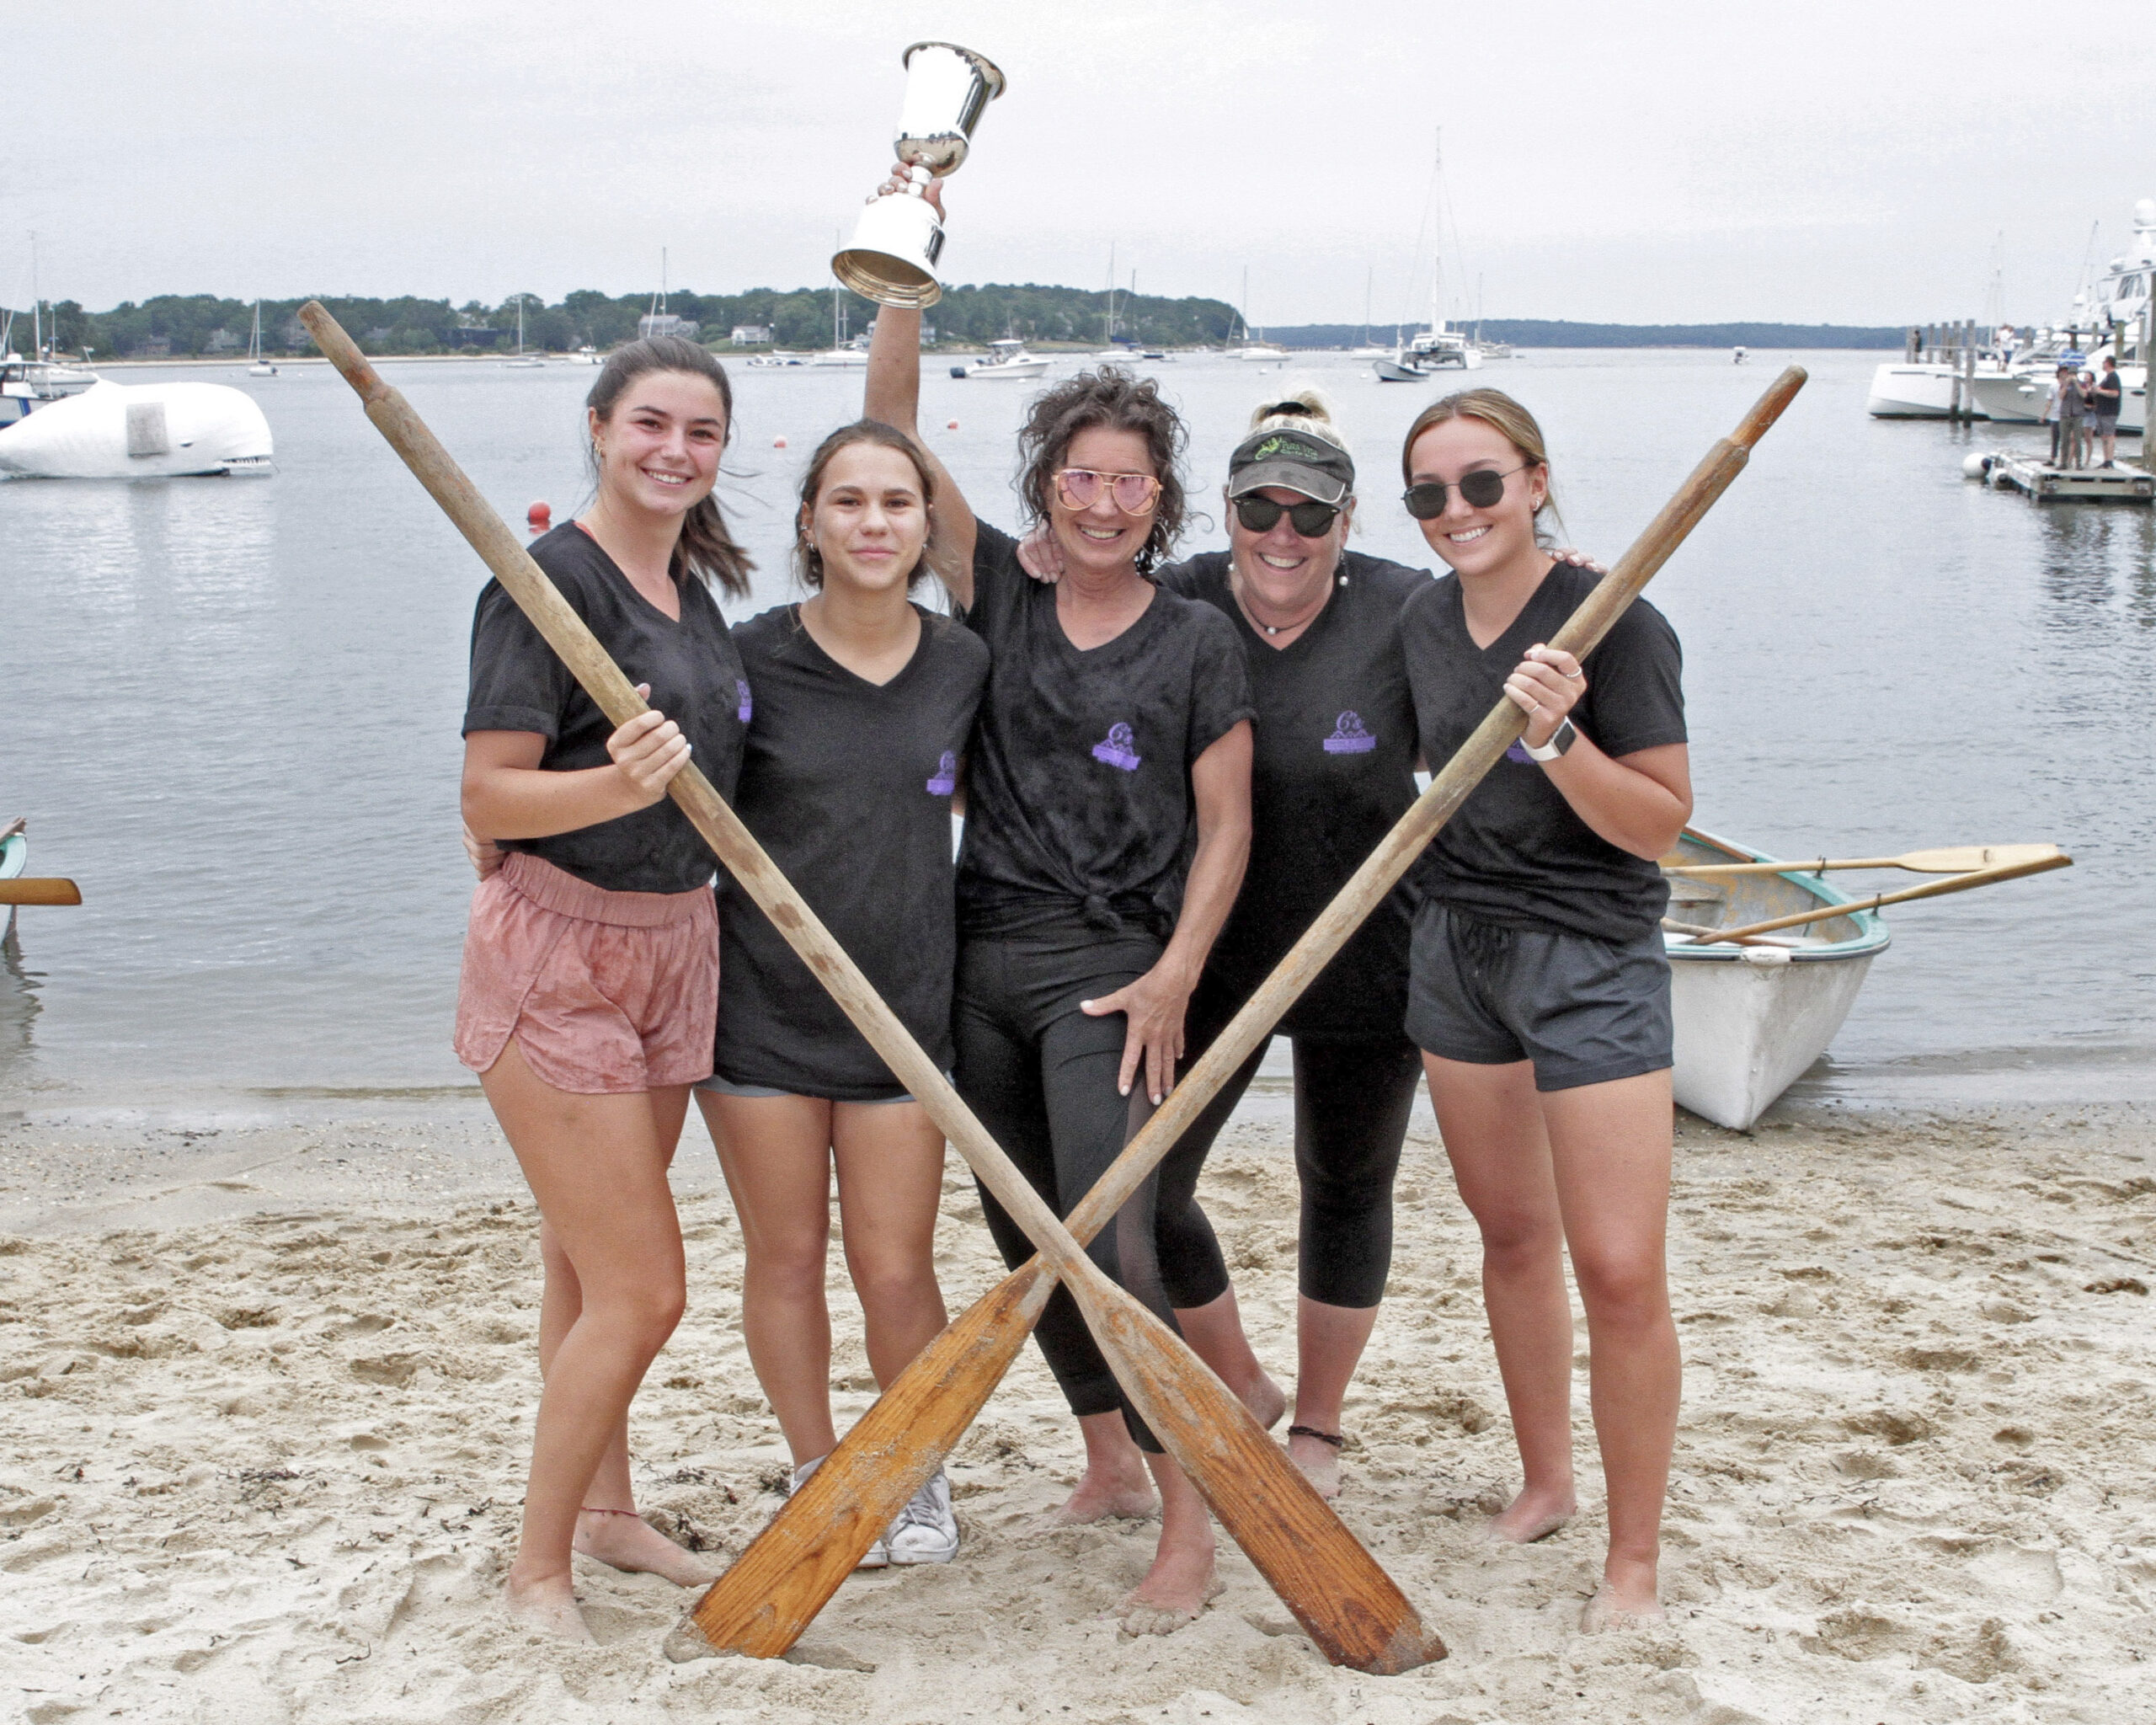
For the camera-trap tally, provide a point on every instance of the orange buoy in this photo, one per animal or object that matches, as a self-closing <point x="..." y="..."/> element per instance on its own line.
<point x="778" y="443"/>
<point x="539" y="516"/>
<point x="952" y="426"/>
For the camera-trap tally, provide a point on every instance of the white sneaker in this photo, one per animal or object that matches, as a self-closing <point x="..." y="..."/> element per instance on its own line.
<point x="877" y="1555"/>
<point x="927" y="1531"/>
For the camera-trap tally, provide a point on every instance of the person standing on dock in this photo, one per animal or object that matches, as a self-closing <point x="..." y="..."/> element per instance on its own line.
<point x="1108" y="825"/>
<point x="1539" y="987"/>
<point x="2105" y="394"/>
<point x="590" y="981"/>
<point x="862" y="703"/>
<point x="2063" y="409"/>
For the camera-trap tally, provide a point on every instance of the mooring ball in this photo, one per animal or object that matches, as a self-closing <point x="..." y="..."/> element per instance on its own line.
<point x="958" y="370"/>
<point x="778" y="443"/>
<point x="952" y="426"/>
<point x="539" y="516"/>
<point x="1973" y="466"/>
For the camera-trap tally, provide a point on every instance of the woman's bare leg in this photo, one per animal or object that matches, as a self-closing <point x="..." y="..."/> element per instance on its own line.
<point x="1610" y="1145"/>
<point x="1214" y="1331"/>
<point x="890" y="1173"/>
<point x="1114" y="1482"/>
<point x="1491" y="1120"/>
<point x="1329" y="1344"/>
<point x="1182" y="1579"/>
<point x="776" y="1151"/>
<point x="597" y="1166"/>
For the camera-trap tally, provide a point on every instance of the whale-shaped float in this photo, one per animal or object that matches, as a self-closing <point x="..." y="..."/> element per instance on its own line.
<point x="146" y="431"/>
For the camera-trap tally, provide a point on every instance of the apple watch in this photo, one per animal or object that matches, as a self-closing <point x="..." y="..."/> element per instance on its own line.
<point x="1560" y="741"/>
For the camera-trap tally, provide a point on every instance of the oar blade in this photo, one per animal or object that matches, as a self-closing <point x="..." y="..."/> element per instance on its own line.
<point x="1352" y="1610"/>
<point x="1965" y="859"/>
<point x="30" y="889"/>
<point x="789" y="1571"/>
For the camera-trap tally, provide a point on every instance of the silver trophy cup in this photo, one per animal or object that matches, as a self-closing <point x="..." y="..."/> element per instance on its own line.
<point x="899" y="237"/>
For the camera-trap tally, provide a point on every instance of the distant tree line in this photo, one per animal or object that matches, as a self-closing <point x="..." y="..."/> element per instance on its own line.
<point x="1536" y="332"/>
<point x="204" y="325"/>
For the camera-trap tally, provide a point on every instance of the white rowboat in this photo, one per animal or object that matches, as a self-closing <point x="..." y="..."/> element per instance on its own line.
<point x="1751" y="1019"/>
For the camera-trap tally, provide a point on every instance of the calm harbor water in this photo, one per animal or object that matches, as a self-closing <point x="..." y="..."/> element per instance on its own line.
<point x="232" y="707"/>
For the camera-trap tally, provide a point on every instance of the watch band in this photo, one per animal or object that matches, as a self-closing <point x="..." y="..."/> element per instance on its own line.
<point x="1560" y="741"/>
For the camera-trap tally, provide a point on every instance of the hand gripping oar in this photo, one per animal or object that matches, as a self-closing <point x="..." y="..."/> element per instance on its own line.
<point x="1351" y="1607"/>
<point x="2047" y="856"/>
<point x="776" y="1588"/>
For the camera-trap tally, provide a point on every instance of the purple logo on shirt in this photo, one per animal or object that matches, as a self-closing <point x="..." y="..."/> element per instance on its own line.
<point x="747" y="707"/>
<point x="946" y="780"/>
<point x="1519" y="752"/>
<point x="1117" y="750"/>
<point x="1348" y="736"/>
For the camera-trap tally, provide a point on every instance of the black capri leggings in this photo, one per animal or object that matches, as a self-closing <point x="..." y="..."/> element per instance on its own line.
<point x="1042" y="1077"/>
<point x="1352" y="1102"/>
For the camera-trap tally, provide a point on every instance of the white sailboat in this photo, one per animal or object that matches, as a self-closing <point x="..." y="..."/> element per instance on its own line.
<point x="256" y="366"/>
<point x="522" y="358"/>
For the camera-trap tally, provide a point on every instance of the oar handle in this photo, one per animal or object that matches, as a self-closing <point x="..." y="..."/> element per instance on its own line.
<point x="718" y="826"/>
<point x="1396" y="854"/>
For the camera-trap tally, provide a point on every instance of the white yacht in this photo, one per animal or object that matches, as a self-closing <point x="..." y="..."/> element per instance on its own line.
<point x="587" y="356"/>
<point x="26" y="385"/>
<point x="1436" y="349"/>
<point x="1260" y="352"/>
<point x="1006" y="358"/>
<point x="849" y="358"/>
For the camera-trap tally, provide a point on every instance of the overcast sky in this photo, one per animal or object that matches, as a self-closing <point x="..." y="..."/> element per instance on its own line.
<point x="1843" y="161"/>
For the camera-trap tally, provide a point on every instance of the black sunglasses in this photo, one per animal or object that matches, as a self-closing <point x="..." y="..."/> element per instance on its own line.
<point x="1313" y="519"/>
<point x="1426" y="500"/>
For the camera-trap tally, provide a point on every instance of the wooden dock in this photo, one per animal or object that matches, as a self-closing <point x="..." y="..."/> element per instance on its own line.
<point x="2046" y="483"/>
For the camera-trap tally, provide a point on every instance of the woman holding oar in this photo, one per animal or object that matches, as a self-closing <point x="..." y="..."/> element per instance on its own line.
<point x="863" y="705"/>
<point x="1336" y="750"/>
<point x="590" y="967"/>
<point x="1106" y="827"/>
<point x="1539" y="990"/>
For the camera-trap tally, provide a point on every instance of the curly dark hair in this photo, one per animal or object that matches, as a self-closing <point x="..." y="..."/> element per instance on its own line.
<point x="807" y="563"/>
<point x="707" y="548"/>
<point x="1111" y="399"/>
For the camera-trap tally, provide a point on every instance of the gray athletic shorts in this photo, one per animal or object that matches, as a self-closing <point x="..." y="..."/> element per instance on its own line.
<point x="726" y="1087"/>
<point x="1584" y="1011"/>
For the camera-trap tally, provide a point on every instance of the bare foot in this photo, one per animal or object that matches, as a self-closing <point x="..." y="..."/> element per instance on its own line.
<point x="1102" y="1493"/>
<point x="1174" y="1590"/>
<point x="1319" y="1461"/>
<point x="547" y="1606"/>
<point x="628" y="1542"/>
<point x="1626" y="1600"/>
<point x="1534" y="1515"/>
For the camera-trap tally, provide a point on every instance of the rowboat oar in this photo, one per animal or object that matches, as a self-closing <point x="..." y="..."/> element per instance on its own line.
<point x="2051" y="858"/>
<point x="776" y="1588"/>
<point x="1351" y="1607"/>
<point x="1950" y="859"/>
<point x="30" y="889"/>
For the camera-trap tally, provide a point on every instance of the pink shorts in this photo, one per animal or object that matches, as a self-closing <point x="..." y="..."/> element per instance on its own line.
<point x="605" y="993"/>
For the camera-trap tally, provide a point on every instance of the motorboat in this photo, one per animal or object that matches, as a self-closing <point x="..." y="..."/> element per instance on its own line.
<point x="27" y="385"/>
<point x="1751" y="1019"/>
<point x="1261" y="353"/>
<point x="590" y="355"/>
<point x="1436" y="349"/>
<point x="777" y="358"/>
<point x="849" y="358"/>
<point x="1006" y="358"/>
<point x="256" y="366"/>
<point x="2018" y="397"/>
<point x="149" y="431"/>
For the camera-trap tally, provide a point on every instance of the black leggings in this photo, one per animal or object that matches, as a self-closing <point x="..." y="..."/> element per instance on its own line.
<point x="1352" y="1102"/>
<point x="1042" y="1077"/>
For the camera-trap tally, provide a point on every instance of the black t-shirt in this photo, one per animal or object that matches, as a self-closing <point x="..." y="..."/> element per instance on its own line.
<point x="1516" y="854"/>
<point x="1334" y="769"/>
<point x="2106" y="394"/>
<point x="519" y="684"/>
<point x="1078" y="793"/>
<point x="847" y="784"/>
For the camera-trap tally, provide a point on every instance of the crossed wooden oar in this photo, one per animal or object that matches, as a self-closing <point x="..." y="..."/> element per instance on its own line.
<point x="1350" y="1607"/>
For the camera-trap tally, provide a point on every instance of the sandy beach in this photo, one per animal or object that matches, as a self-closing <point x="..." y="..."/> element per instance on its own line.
<point x="266" y="1391"/>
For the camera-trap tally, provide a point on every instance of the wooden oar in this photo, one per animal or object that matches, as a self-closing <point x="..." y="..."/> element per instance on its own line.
<point x="30" y="889"/>
<point x="1350" y="1606"/>
<point x="775" y="1589"/>
<point x="2053" y="857"/>
<point x="1949" y="859"/>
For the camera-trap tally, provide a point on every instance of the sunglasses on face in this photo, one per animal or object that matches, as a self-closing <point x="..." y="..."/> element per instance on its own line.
<point x="1481" y="489"/>
<point x="1260" y="514"/>
<point x="1133" y="493"/>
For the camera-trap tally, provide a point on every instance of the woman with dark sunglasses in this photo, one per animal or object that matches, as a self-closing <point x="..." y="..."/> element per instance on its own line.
<point x="1539" y="990"/>
<point x="1108" y="822"/>
<point x="1334" y="768"/>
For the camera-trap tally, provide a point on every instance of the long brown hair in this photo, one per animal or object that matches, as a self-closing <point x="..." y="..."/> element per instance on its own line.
<point x="1504" y="416"/>
<point x="707" y="548"/>
<point x="1118" y="401"/>
<point x="807" y="561"/>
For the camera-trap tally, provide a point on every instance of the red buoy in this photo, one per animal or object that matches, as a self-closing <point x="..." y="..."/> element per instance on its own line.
<point x="952" y="426"/>
<point x="539" y="516"/>
<point x="778" y="443"/>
